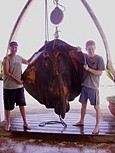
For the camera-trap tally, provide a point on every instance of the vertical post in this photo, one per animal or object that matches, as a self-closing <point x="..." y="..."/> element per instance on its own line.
<point x="2" y="116"/>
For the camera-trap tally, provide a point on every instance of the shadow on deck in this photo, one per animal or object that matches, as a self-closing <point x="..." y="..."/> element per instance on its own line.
<point x="56" y="131"/>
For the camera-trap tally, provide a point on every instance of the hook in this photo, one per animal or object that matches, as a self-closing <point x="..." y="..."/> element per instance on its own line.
<point x="56" y="2"/>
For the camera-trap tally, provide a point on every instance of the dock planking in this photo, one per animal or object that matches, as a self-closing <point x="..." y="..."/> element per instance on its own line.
<point x="48" y="125"/>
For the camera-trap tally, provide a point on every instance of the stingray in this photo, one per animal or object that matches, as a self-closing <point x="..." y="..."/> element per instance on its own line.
<point x="53" y="77"/>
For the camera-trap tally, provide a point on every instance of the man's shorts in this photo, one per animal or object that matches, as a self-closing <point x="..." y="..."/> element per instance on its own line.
<point x="12" y="97"/>
<point x="91" y="94"/>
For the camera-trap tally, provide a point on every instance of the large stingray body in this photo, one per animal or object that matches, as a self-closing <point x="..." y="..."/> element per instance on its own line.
<point x="53" y="78"/>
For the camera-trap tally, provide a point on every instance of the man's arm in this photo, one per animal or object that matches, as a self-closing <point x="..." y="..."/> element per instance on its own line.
<point x="95" y="72"/>
<point x="24" y="61"/>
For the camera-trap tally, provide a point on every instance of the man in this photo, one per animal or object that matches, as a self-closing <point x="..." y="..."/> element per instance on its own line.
<point x="13" y="85"/>
<point x="94" y="65"/>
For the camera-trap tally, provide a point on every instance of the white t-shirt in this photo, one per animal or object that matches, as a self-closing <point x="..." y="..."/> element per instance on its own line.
<point x="15" y="68"/>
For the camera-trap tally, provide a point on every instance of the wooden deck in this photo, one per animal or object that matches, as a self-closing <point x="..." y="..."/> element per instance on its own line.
<point x="48" y="126"/>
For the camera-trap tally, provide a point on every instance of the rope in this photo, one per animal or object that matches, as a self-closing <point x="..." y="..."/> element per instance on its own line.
<point x="46" y="23"/>
<point x="53" y="122"/>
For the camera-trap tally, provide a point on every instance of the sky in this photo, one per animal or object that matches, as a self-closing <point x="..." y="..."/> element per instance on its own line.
<point x="76" y="27"/>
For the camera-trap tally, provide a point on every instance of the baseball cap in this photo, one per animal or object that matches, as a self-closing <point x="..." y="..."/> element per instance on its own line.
<point x="13" y="43"/>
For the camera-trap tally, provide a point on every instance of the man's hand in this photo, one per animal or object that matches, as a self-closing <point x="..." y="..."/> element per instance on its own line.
<point x="19" y="82"/>
<point x="86" y="67"/>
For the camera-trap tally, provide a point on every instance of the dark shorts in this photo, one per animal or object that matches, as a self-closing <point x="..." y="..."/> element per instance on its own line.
<point x="12" y="97"/>
<point x="89" y="94"/>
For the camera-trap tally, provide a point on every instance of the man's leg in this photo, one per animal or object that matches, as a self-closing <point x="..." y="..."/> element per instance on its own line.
<point x="98" y="117"/>
<point x="22" y="111"/>
<point x="7" y="117"/>
<point x="83" y="112"/>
